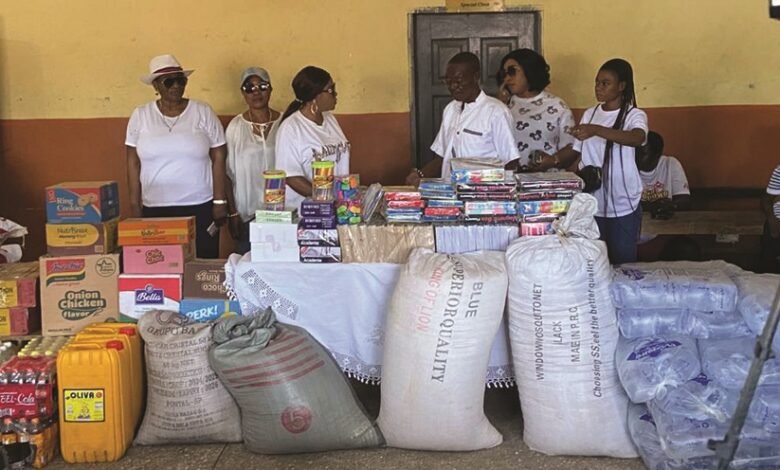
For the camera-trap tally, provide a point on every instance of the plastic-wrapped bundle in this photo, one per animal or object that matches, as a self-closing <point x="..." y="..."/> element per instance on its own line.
<point x="563" y="335"/>
<point x="696" y="289"/>
<point x="728" y="361"/>
<point x="645" y="435"/>
<point x="647" y="365"/>
<point x="716" y="325"/>
<point x="756" y="294"/>
<point x="638" y="323"/>
<point x="699" y="398"/>
<point x="292" y="394"/>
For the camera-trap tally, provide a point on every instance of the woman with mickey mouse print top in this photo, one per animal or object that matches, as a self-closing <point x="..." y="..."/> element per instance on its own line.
<point x="541" y="120"/>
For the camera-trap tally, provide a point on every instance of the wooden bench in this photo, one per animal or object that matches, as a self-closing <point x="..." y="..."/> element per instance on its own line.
<point x="706" y="223"/>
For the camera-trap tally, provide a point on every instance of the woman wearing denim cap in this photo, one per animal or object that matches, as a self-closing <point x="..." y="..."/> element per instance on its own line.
<point x="251" y="139"/>
<point x="176" y="156"/>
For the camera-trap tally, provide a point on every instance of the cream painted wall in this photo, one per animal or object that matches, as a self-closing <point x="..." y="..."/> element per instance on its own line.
<point x="83" y="58"/>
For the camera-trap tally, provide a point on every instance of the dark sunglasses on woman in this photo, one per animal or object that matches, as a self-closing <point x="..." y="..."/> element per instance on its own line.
<point x="510" y="71"/>
<point x="249" y="88"/>
<point x="168" y="82"/>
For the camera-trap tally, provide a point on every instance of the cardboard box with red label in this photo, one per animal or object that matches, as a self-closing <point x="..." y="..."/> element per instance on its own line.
<point x="83" y="202"/>
<point x="18" y="285"/>
<point x="156" y="259"/>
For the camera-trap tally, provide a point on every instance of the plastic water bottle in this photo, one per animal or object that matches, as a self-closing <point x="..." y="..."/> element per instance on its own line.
<point x="636" y="323"/>
<point x="646" y="365"/>
<point x="727" y="361"/>
<point x="697" y="289"/>
<point x="643" y="431"/>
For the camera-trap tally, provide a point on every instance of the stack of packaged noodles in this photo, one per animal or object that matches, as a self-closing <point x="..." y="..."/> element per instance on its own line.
<point x="441" y="201"/>
<point x="482" y="187"/>
<point x="348" y="202"/>
<point x="403" y="204"/>
<point x="317" y="235"/>
<point x="542" y="198"/>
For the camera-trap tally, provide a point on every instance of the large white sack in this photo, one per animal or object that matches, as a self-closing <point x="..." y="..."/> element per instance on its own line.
<point x="563" y="333"/>
<point x="443" y="316"/>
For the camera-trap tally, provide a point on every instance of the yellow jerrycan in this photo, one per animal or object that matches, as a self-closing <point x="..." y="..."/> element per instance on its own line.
<point x="94" y="400"/>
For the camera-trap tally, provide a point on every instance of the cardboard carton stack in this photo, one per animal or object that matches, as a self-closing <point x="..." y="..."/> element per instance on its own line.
<point x="317" y="234"/>
<point x="154" y="251"/>
<point x="19" y="312"/>
<point x="204" y="297"/>
<point x="79" y="274"/>
<point x="273" y="236"/>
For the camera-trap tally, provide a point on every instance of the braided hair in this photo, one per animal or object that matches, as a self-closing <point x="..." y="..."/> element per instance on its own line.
<point x="625" y="74"/>
<point x="309" y="82"/>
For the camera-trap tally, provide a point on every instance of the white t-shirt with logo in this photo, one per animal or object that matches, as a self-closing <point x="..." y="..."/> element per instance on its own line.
<point x="174" y="153"/>
<point x="620" y="195"/>
<point x="540" y="123"/>
<point x="665" y="181"/>
<point x="300" y="141"/>
<point x="482" y="129"/>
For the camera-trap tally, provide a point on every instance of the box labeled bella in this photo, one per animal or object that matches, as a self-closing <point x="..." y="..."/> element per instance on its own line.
<point x="204" y="279"/>
<point x="157" y="231"/>
<point x="156" y="259"/>
<point x="85" y="202"/>
<point x="19" y="284"/>
<point x="81" y="239"/>
<point x="139" y="293"/>
<point x="77" y="291"/>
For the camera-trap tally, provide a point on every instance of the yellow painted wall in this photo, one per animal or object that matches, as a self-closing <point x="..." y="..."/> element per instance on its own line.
<point x="83" y="58"/>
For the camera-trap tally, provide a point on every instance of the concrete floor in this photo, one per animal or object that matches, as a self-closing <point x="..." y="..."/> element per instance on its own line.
<point x="501" y="406"/>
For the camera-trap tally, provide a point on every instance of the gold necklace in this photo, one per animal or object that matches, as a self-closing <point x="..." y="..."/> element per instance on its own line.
<point x="261" y="128"/>
<point x="165" y="118"/>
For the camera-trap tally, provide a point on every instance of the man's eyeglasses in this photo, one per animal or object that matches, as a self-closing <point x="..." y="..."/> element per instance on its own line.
<point x="170" y="81"/>
<point x="250" y="88"/>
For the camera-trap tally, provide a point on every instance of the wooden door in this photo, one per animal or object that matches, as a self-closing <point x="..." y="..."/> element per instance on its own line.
<point x="436" y="37"/>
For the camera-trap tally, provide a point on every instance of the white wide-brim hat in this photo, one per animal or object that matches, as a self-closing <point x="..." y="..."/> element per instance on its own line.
<point x="164" y="65"/>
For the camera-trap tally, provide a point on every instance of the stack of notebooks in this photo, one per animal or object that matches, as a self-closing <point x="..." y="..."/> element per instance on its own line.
<point x="403" y="204"/>
<point x="489" y="202"/>
<point x="318" y="238"/>
<point x="441" y="201"/>
<point x="544" y="197"/>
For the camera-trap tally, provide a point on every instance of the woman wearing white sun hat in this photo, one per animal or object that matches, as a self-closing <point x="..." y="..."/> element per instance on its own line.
<point x="176" y="156"/>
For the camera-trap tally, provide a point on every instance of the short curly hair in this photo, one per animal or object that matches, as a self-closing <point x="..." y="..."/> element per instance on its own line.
<point x="535" y="68"/>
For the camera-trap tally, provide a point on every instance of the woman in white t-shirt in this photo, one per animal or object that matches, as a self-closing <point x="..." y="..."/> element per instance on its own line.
<point x="607" y="137"/>
<point x="251" y="137"/>
<point x="309" y="132"/>
<point x="541" y="120"/>
<point x="176" y="156"/>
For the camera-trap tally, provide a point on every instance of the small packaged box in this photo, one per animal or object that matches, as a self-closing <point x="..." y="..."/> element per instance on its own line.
<point x="19" y="321"/>
<point x="206" y="310"/>
<point x="157" y="231"/>
<point x="139" y="293"/>
<point x="204" y="279"/>
<point x="273" y="242"/>
<point x="19" y="284"/>
<point x="155" y="259"/>
<point x="279" y="217"/>
<point x="320" y="254"/>
<point x="86" y="202"/>
<point x="316" y="237"/>
<point x="311" y="208"/>
<point x="268" y="252"/>
<point x="318" y="223"/>
<point x="81" y="239"/>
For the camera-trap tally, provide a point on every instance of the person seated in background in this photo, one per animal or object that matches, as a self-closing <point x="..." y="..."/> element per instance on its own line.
<point x="770" y="240"/>
<point x="473" y="124"/>
<point x="665" y="191"/>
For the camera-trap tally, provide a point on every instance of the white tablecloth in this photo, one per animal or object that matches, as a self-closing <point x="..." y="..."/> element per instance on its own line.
<point x="342" y="305"/>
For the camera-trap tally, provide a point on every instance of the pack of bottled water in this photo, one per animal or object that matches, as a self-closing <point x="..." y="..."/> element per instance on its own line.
<point x="688" y="335"/>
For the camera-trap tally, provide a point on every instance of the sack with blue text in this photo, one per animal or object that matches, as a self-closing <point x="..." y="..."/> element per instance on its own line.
<point x="563" y="333"/>
<point x="443" y="317"/>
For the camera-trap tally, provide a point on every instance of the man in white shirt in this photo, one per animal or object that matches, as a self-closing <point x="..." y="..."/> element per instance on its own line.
<point x="664" y="184"/>
<point x="770" y="240"/>
<point x="473" y="125"/>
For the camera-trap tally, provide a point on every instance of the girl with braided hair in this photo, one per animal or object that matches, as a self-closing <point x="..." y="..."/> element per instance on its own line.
<point x="607" y="138"/>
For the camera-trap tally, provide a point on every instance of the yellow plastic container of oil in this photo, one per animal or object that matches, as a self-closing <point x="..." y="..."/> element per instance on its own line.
<point x="94" y="400"/>
<point x="128" y="333"/>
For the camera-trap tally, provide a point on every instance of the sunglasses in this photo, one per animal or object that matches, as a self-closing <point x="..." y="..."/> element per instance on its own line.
<point x="181" y="80"/>
<point x="249" y="88"/>
<point x="510" y="71"/>
<point x="330" y="91"/>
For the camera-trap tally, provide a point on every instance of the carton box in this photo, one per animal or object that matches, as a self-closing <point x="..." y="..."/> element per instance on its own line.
<point x="281" y="217"/>
<point x="268" y="252"/>
<point x="156" y="259"/>
<point x="77" y="291"/>
<point x="204" y="279"/>
<point x="19" y="321"/>
<point x="206" y="310"/>
<point x="311" y="208"/>
<point x="87" y="202"/>
<point x="157" y="231"/>
<point x="81" y="239"/>
<point x="320" y="254"/>
<point x="19" y="284"/>
<point x="139" y="293"/>
<point x="314" y="237"/>
<point x="273" y="242"/>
